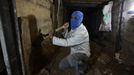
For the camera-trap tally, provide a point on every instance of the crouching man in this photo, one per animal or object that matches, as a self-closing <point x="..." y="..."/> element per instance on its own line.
<point x="78" y="41"/>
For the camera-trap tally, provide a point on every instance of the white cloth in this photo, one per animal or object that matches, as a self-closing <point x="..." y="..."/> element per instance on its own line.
<point x="106" y="24"/>
<point x="77" y="39"/>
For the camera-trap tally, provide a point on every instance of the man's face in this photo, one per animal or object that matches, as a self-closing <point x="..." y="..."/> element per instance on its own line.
<point x="76" y="19"/>
<point x="73" y="17"/>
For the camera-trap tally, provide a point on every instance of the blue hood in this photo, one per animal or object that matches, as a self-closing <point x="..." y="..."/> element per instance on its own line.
<point x="76" y="22"/>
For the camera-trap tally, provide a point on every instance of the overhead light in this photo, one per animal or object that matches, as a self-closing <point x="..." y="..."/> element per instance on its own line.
<point x="131" y="10"/>
<point x="132" y="7"/>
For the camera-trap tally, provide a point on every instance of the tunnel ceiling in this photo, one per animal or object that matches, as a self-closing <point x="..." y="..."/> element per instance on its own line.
<point x="84" y="1"/>
<point x="90" y="3"/>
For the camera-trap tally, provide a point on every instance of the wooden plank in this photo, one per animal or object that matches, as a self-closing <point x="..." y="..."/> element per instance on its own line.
<point x="26" y="42"/>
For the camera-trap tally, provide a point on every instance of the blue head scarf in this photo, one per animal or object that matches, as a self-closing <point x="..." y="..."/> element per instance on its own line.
<point x="77" y="20"/>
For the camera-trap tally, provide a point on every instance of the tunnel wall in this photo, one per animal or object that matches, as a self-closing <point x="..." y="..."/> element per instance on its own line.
<point x="34" y="15"/>
<point x="41" y="9"/>
<point x="127" y="53"/>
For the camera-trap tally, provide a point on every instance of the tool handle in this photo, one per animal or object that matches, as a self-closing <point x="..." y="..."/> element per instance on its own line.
<point x="56" y="30"/>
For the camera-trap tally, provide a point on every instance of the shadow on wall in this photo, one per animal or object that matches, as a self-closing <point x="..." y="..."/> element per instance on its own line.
<point x="36" y="58"/>
<point x="41" y="53"/>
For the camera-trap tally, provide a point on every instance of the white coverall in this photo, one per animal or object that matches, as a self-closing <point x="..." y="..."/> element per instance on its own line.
<point x="77" y="39"/>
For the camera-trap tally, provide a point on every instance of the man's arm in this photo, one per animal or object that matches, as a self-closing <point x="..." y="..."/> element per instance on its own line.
<point x="77" y="39"/>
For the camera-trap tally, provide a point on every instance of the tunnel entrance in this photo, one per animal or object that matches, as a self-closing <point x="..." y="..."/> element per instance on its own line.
<point x="42" y="58"/>
<point x="92" y="17"/>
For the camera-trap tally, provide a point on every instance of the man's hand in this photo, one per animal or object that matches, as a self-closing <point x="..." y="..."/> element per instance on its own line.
<point x="50" y="34"/>
<point x="66" y="25"/>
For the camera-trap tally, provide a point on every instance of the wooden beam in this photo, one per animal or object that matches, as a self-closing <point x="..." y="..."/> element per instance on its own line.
<point x="26" y="43"/>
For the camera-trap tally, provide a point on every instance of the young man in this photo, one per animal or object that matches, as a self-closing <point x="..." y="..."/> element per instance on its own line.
<point x="78" y="40"/>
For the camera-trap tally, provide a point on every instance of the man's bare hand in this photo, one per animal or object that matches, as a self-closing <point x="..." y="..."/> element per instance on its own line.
<point x="50" y="34"/>
<point x="66" y="25"/>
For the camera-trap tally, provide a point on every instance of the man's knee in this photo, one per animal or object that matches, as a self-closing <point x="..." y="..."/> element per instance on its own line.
<point x="61" y="67"/>
<point x="64" y="64"/>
